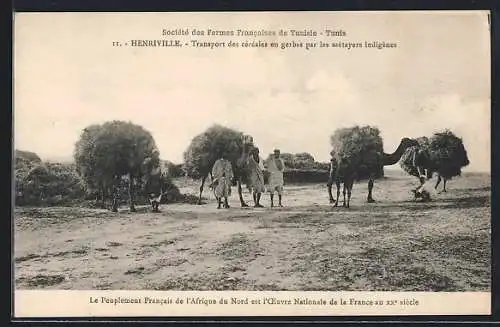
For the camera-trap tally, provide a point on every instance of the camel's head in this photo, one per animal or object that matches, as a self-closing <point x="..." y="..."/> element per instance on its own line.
<point x="408" y="142"/>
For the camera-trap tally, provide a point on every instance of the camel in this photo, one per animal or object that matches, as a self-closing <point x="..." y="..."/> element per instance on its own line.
<point x="239" y="169"/>
<point x="422" y="166"/>
<point x="346" y="172"/>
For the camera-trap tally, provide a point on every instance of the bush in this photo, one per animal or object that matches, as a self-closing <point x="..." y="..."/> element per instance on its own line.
<point x="48" y="184"/>
<point x="361" y="148"/>
<point x="40" y="183"/>
<point x="292" y="176"/>
<point x="300" y="161"/>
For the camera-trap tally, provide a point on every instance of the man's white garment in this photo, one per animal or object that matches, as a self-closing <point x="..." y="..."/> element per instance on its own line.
<point x="427" y="187"/>
<point x="256" y="175"/>
<point x="275" y="174"/>
<point x="220" y="168"/>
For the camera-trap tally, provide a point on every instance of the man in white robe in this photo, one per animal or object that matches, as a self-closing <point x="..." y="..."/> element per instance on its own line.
<point x="222" y="173"/>
<point x="276" y="167"/>
<point x="256" y="176"/>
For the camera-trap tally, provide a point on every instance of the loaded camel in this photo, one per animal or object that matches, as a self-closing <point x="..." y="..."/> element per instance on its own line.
<point x="443" y="154"/>
<point x="246" y="146"/>
<point x="344" y="169"/>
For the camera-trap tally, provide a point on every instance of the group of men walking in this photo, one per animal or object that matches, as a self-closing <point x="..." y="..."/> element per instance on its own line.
<point x="222" y="174"/>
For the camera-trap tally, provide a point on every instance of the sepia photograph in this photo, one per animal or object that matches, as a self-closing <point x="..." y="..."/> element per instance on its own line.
<point x="252" y="152"/>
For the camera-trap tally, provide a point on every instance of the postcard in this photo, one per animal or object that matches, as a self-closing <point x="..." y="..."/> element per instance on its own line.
<point x="252" y="163"/>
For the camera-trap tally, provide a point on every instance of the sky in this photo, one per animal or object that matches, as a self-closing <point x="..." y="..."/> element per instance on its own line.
<point x="67" y="75"/>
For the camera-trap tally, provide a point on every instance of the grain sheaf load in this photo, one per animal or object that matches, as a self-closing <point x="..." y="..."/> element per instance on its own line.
<point x="359" y="147"/>
<point x="446" y="153"/>
<point x="406" y="160"/>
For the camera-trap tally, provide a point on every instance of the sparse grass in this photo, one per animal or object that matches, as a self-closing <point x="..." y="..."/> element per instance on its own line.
<point x="239" y="246"/>
<point x="41" y="281"/>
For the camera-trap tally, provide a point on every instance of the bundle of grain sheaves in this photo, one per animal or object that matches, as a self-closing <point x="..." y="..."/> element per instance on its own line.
<point x="360" y="148"/>
<point x="445" y="152"/>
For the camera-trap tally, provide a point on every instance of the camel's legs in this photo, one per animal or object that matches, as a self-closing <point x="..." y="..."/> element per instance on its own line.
<point x="257" y="196"/>
<point x="370" y="188"/>
<point x="131" y="194"/>
<point x="102" y="194"/>
<point x="338" y="194"/>
<point x="201" y="187"/>
<point x="330" y="196"/>
<point x="226" y="203"/>
<point x="114" y="205"/>
<point x="243" y="204"/>
<point x="219" y="202"/>
<point x="349" y="191"/>
<point x="438" y="181"/>
<point x="271" y="195"/>
<point x="444" y="184"/>
<point x="329" y="186"/>
<point x="344" y="192"/>
<point x="155" y="206"/>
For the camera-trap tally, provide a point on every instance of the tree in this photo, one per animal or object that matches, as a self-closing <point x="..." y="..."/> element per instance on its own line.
<point x="173" y="170"/>
<point x="112" y="152"/>
<point x="27" y="156"/>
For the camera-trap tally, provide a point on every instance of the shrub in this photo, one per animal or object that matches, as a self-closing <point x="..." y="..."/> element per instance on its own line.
<point x="48" y="184"/>
<point x="292" y="176"/>
<point x="300" y="161"/>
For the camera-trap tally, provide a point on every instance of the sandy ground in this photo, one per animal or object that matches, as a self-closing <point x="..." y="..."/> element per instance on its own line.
<point x="394" y="244"/>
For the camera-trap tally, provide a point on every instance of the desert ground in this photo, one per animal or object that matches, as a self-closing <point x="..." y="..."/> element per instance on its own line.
<point x="394" y="244"/>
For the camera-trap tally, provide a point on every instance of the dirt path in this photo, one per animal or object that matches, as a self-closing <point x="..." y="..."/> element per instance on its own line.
<point x="394" y="244"/>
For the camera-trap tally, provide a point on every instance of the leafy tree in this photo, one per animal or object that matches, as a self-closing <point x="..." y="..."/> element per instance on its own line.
<point x="107" y="154"/>
<point x="173" y="170"/>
